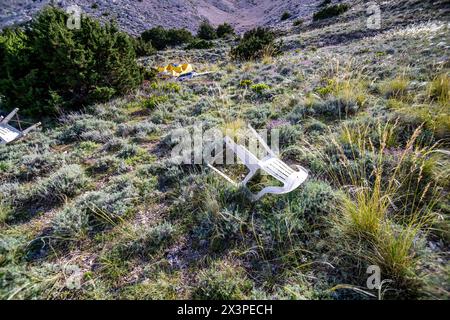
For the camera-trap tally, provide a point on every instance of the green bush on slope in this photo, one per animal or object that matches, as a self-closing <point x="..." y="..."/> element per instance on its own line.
<point x="48" y="66"/>
<point x="255" y="44"/>
<point x="160" y="38"/>
<point x="330" y="11"/>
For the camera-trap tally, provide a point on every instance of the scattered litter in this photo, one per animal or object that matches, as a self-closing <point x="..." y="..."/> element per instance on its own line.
<point x="180" y="72"/>
<point x="9" y="133"/>
<point x="271" y="164"/>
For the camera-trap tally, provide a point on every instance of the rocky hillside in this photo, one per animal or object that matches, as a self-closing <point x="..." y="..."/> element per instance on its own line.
<point x="136" y="16"/>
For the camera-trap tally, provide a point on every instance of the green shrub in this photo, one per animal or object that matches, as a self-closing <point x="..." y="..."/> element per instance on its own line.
<point x="143" y="48"/>
<point x="154" y="101"/>
<point x="298" y="22"/>
<point x="245" y="83"/>
<point x="157" y="36"/>
<point x="286" y="15"/>
<point x="224" y="30"/>
<point x="255" y="44"/>
<point x="49" y="66"/>
<point x="330" y="11"/>
<point x="161" y="38"/>
<point x="199" y="44"/>
<point x="259" y="88"/>
<point x="166" y="86"/>
<point x="206" y="31"/>
<point x="177" y="37"/>
<point x="324" y="3"/>
<point x="103" y="94"/>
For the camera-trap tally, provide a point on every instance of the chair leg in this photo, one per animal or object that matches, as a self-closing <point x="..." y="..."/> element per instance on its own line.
<point x="275" y="190"/>
<point x="33" y="127"/>
<point x="10" y="116"/>
<point x="249" y="176"/>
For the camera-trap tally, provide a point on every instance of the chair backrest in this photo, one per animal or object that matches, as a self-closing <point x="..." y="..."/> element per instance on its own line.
<point x="242" y="153"/>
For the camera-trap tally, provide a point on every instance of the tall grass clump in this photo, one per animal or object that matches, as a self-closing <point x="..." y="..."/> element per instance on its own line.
<point x="396" y="88"/>
<point x="389" y="205"/>
<point x="439" y="89"/>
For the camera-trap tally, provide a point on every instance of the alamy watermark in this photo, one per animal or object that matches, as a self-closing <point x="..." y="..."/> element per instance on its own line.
<point x="374" y="281"/>
<point x="216" y="146"/>
<point x="373" y="12"/>
<point x="74" y="20"/>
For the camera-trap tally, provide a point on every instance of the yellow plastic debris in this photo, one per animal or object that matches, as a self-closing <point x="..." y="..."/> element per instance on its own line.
<point x="175" y="70"/>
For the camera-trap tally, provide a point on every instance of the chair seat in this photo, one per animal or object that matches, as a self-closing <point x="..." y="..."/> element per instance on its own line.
<point x="8" y="133"/>
<point x="277" y="169"/>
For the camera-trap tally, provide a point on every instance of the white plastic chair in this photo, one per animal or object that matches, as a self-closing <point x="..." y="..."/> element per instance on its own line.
<point x="9" y="133"/>
<point x="271" y="164"/>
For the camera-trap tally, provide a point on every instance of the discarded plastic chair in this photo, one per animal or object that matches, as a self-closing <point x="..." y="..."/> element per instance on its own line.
<point x="175" y="70"/>
<point x="192" y="75"/>
<point x="271" y="164"/>
<point x="180" y="72"/>
<point x="9" y="133"/>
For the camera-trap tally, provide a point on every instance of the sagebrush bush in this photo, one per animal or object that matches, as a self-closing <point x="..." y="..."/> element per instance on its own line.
<point x="288" y="135"/>
<point x="162" y="286"/>
<point x="222" y="281"/>
<point x="38" y="164"/>
<point x="86" y="127"/>
<point x="331" y="108"/>
<point x="22" y="200"/>
<point x="146" y="240"/>
<point x="297" y="215"/>
<point x="136" y="129"/>
<point x="48" y="66"/>
<point x="96" y="209"/>
<point x="255" y="44"/>
<point x="107" y="164"/>
<point x="65" y="182"/>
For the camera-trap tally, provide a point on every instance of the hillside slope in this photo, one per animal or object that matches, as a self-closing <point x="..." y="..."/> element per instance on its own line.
<point x="95" y="207"/>
<point x="137" y="16"/>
